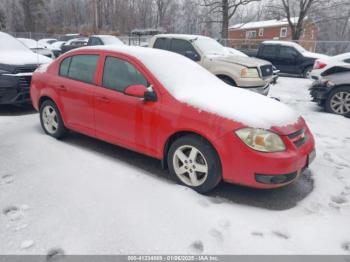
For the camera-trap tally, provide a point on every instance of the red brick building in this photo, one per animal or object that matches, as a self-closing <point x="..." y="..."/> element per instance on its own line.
<point x="253" y="33"/>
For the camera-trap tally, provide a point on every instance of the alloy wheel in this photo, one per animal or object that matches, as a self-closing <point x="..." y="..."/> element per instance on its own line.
<point x="190" y="166"/>
<point x="50" y="121"/>
<point x="340" y="103"/>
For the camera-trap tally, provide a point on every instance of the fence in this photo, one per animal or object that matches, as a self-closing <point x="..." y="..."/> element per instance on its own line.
<point x="324" y="47"/>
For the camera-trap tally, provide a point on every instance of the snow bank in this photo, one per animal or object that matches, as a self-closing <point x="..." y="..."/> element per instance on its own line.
<point x="190" y="83"/>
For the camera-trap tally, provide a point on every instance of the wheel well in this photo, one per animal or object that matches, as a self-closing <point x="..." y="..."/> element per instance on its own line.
<point x="43" y="99"/>
<point x="222" y="77"/>
<point x="176" y="136"/>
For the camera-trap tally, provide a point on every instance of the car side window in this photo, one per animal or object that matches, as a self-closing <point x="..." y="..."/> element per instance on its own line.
<point x="287" y="52"/>
<point x="347" y="61"/>
<point x="96" y="41"/>
<point x="118" y="74"/>
<point x="80" y="67"/>
<point x="162" y="43"/>
<point x="181" y="46"/>
<point x="269" y="51"/>
<point x="64" y="68"/>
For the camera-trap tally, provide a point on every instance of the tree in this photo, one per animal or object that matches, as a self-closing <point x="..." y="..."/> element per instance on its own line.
<point x="33" y="14"/>
<point x="162" y="8"/>
<point x="2" y="20"/>
<point x="225" y="9"/>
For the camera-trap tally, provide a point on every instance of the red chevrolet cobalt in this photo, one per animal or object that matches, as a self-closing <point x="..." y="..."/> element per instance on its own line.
<point x="166" y="106"/>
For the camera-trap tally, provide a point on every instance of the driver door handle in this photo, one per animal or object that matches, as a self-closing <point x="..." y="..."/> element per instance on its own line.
<point x="62" y="88"/>
<point x="103" y="99"/>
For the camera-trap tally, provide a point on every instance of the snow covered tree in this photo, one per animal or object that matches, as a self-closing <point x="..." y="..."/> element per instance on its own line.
<point x="225" y="10"/>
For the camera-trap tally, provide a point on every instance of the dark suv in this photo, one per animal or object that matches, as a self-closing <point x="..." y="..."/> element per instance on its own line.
<point x="17" y="64"/>
<point x="288" y="57"/>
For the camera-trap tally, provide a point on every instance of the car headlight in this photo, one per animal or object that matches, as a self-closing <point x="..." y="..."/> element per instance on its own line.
<point x="249" y="73"/>
<point x="261" y="140"/>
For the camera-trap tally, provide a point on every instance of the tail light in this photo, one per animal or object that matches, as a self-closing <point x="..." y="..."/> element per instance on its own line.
<point x="319" y="65"/>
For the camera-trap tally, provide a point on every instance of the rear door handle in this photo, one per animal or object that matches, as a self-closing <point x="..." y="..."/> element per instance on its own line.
<point x="103" y="99"/>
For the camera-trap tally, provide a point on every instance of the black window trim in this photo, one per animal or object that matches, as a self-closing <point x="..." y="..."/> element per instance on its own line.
<point x="70" y="62"/>
<point x="112" y="89"/>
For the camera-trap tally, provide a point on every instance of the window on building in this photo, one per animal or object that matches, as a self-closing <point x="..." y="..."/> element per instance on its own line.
<point x="284" y="32"/>
<point x="251" y="34"/>
<point x="261" y="32"/>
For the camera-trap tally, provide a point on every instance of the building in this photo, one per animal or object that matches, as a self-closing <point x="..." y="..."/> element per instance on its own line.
<point x="250" y="35"/>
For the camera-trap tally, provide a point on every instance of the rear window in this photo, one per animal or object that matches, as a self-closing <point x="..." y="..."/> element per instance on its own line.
<point x="80" y="67"/>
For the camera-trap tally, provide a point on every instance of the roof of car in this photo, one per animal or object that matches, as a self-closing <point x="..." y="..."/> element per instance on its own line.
<point x="180" y="36"/>
<point x="103" y="36"/>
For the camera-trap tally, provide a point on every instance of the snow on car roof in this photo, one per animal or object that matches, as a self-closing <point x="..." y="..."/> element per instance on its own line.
<point x="190" y="83"/>
<point x="181" y="36"/>
<point x="263" y="24"/>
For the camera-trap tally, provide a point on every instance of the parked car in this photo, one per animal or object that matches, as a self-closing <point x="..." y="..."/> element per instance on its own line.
<point x="333" y="91"/>
<point x="17" y="63"/>
<point x="67" y="37"/>
<point x="50" y="43"/>
<point x="288" y="57"/>
<point x="73" y="44"/>
<point x="276" y="72"/>
<point x="324" y="66"/>
<point x="244" y="72"/>
<point x="166" y="106"/>
<point x="36" y="47"/>
<point x="104" y="40"/>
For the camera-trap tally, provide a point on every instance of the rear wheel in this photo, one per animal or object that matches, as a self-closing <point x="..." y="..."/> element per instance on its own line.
<point x="51" y="120"/>
<point x="194" y="163"/>
<point x="307" y="72"/>
<point x="338" y="101"/>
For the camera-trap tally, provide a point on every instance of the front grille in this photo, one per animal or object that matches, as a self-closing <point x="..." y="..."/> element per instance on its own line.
<point x="24" y="82"/>
<point x="26" y="69"/>
<point x="299" y="138"/>
<point x="266" y="70"/>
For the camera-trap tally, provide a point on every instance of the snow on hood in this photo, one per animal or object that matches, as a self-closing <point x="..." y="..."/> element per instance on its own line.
<point x="314" y="55"/>
<point x="237" y="59"/>
<point x="190" y="83"/>
<point x="22" y="57"/>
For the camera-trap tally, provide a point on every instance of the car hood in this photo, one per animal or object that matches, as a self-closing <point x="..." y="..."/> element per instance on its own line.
<point x="22" y="58"/>
<point x="315" y="55"/>
<point x="239" y="60"/>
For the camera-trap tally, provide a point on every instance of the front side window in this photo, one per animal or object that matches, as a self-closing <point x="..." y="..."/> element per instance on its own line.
<point x="80" y="67"/>
<point x="288" y="52"/>
<point x="182" y="46"/>
<point x="119" y="74"/>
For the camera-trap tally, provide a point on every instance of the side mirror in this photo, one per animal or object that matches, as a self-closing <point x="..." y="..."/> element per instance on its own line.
<point x="140" y="91"/>
<point x="192" y="55"/>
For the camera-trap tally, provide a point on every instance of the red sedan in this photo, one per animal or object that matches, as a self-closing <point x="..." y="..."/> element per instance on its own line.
<point x="164" y="105"/>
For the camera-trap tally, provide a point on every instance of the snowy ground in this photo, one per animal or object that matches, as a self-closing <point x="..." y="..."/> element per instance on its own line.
<point x="82" y="196"/>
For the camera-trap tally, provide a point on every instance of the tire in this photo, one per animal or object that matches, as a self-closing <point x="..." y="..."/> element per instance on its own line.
<point x="307" y="72"/>
<point x="338" y="101"/>
<point x="201" y="173"/>
<point x="51" y="120"/>
<point x="227" y="80"/>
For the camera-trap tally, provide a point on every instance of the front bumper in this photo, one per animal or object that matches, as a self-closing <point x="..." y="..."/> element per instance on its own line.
<point x="14" y="89"/>
<point x="319" y="91"/>
<point x="244" y="166"/>
<point x="263" y="90"/>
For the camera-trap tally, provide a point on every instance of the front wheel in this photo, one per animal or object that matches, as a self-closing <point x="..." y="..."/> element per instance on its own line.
<point x="195" y="163"/>
<point x="51" y="120"/>
<point x="338" y="101"/>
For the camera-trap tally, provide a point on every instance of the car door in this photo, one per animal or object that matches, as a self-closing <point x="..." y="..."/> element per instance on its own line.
<point x="119" y="118"/>
<point x="269" y="53"/>
<point x="75" y="89"/>
<point x="288" y="60"/>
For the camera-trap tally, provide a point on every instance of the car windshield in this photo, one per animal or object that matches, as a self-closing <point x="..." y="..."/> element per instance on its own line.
<point x="111" y="40"/>
<point x="8" y="42"/>
<point x="210" y="47"/>
<point x="30" y="43"/>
